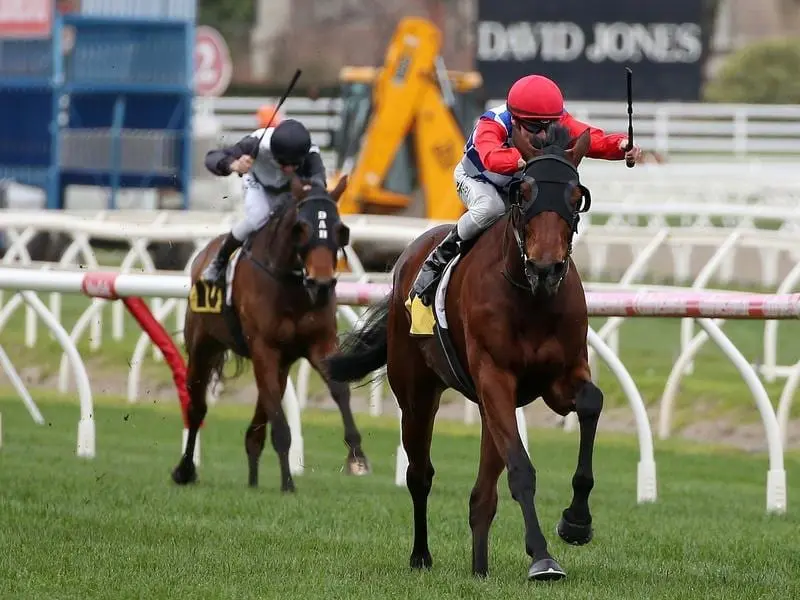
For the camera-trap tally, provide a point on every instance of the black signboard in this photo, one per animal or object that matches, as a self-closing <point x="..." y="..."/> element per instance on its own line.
<point x="585" y="45"/>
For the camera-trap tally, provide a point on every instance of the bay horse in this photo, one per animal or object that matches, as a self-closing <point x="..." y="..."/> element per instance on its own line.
<point x="283" y="308"/>
<point x="517" y="319"/>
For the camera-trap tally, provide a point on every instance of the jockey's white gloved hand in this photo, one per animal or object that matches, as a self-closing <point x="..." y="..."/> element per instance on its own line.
<point x="634" y="153"/>
<point x="242" y="164"/>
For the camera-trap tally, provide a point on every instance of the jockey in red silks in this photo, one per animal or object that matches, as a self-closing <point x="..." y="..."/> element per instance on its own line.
<point x="490" y="163"/>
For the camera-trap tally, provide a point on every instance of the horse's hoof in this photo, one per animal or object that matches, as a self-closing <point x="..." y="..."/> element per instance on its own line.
<point x="288" y="487"/>
<point x="421" y="561"/>
<point x="546" y="569"/>
<point x="184" y="473"/>
<point x="574" y="534"/>
<point x="358" y="466"/>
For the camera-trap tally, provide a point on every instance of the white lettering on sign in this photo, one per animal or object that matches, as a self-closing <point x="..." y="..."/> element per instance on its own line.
<point x="657" y="42"/>
<point x="559" y="41"/>
<point x="564" y="41"/>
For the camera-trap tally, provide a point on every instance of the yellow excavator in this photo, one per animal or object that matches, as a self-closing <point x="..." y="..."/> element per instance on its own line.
<point x="403" y="128"/>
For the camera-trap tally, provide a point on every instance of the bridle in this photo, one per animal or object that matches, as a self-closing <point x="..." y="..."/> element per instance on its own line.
<point x="552" y="180"/>
<point x="321" y="234"/>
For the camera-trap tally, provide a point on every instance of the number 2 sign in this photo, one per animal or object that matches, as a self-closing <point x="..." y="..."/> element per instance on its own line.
<point x="213" y="67"/>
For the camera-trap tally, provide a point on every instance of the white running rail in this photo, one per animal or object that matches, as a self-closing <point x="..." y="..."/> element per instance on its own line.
<point x="704" y="306"/>
<point x="622" y="241"/>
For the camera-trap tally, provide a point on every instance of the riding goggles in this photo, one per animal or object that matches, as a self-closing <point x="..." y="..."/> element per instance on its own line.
<point x="535" y="126"/>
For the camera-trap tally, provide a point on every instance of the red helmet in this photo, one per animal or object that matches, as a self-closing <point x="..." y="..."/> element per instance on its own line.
<point x="535" y="97"/>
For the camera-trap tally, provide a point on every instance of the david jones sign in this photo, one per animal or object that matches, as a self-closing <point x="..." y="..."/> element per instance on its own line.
<point x="584" y="44"/>
<point x="565" y="42"/>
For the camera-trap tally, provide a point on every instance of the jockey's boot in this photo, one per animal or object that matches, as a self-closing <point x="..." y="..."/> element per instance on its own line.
<point x="215" y="271"/>
<point x="431" y="271"/>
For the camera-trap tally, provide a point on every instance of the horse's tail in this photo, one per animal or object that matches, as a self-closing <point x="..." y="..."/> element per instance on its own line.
<point x="219" y="362"/>
<point x="363" y="350"/>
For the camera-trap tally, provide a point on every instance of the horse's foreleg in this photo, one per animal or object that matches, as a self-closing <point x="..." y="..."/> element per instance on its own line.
<point x="271" y="379"/>
<point x="198" y="373"/>
<point x="254" y="440"/>
<point x="575" y="526"/>
<point x="497" y="391"/>
<point x="357" y="463"/>
<point x="483" y="501"/>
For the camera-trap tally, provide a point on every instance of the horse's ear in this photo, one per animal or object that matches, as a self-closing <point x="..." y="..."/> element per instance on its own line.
<point x="339" y="189"/>
<point x="298" y="188"/>
<point x="301" y="233"/>
<point x="579" y="149"/>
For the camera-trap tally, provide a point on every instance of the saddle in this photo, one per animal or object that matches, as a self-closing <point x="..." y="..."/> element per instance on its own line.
<point x="212" y="298"/>
<point x="423" y="317"/>
<point x="428" y="321"/>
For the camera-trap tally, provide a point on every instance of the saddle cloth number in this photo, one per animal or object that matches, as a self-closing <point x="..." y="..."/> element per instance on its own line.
<point x="205" y="298"/>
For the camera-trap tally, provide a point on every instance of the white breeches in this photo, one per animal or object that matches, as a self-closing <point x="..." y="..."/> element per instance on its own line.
<point x="483" y="202"/>
<point x="257" y="207"/>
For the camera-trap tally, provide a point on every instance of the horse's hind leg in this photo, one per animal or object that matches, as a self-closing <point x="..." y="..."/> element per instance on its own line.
<point x="575" y="526"/>
<point x="202" y="357"/>
<point x="357" y="463"/>
<point x="254" y="439"/>
<point x="418" y="395"/>
<point x="483" y="501"/>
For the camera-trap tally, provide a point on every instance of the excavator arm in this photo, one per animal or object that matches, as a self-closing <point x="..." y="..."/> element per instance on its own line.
<point x="408" y="100"/>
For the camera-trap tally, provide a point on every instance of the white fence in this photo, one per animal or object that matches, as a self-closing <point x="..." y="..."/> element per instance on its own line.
<point x="687" y="244"/>
<point x="673" y="128"/>
<point x="703" y="306"/>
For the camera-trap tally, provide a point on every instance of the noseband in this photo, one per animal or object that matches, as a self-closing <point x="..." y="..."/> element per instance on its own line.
<point x="552" y="180"/>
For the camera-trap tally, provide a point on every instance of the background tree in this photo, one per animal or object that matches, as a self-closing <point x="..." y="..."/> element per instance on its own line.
<point x="764" y="72"/>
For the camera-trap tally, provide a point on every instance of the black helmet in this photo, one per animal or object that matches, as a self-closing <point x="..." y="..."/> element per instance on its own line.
<point x="290" y="142"/>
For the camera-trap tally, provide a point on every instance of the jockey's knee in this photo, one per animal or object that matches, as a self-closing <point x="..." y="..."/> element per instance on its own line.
<point x="486" y="210"/>
<point x="242" y="229"/>
<point x="480" y="215"/>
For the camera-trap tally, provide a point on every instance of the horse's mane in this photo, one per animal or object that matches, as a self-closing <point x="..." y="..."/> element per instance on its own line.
<point x="284" y="202"/>
<point x="556" y="142"/>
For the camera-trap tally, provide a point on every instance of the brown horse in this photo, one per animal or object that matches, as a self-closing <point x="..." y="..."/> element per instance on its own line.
<point x="283" y="308"/>
<point x="517" y="319"/>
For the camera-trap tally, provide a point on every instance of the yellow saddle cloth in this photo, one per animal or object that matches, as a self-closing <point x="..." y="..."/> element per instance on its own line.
<point x="422" y="320"/>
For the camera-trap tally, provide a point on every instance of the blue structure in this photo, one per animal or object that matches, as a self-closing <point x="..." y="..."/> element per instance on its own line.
<point x="115" y="110"/>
